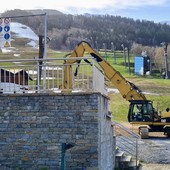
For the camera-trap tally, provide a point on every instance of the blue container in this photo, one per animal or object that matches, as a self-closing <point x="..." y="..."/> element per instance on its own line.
<point x="139" y="65"/>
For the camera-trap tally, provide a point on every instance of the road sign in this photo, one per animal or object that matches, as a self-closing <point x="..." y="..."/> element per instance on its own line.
<point x="6" y="28"/>
<point x="6" y="36"/>
<point x="7" y="20"/>
<point x="1" y="29"/>
<point x="7" y="44"/>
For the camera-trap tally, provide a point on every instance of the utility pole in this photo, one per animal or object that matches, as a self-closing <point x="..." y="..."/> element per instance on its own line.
<point x="165" y="46"/>
<point x="113" y="50"/>
<point x="123" y="47"/>
<point x="104" y="46"/>
<point x="128" y="51"/>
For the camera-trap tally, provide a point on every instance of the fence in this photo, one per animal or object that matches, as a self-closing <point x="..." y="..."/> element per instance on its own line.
<point x="47" y="76"/>
<point x="127" y="140"/>
<point x="32" y="72"/>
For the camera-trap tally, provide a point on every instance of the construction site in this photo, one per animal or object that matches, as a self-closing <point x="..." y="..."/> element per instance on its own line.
<point x="58" y="112"/>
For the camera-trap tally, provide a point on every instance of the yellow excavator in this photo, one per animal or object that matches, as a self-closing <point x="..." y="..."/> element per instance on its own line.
<point x="141" y="111"/>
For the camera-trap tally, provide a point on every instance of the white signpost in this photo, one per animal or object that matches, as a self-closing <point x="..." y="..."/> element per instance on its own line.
<point x="1" y="32"/>
<point x="5" y="35"/>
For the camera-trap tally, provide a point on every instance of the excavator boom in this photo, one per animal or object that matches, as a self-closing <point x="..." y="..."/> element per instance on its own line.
<point x="127" y="89"/>
<point x="141" y="110"/>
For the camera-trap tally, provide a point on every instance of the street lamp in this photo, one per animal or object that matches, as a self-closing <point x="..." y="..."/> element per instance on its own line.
<point x="165" y="46"/>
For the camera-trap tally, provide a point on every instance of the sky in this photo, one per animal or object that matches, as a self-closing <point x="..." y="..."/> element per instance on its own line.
<point x="152" y="10"/>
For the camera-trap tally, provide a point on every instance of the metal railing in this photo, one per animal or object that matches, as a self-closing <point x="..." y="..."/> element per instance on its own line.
<point x="47" y="76"/>
<point x="127" y="140"/>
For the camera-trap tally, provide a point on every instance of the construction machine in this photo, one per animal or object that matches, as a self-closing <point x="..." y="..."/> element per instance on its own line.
<point x="141" y="111"/>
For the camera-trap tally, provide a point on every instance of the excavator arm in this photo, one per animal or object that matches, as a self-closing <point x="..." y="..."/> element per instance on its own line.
<point x="141" y="110"/>
<point x="127" y="89"/>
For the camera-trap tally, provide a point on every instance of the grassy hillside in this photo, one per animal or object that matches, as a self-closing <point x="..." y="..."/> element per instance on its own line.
<point x="154" y="87"/>
<point x="160" y="98"/>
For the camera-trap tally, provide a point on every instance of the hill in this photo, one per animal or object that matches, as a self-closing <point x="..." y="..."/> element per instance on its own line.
<point x="102" y="31"/>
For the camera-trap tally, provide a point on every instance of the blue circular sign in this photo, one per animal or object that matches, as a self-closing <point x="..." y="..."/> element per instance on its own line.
<point x="7" y="36"/>
<point x="6" y="28"/>
<point x="1" y="29"/>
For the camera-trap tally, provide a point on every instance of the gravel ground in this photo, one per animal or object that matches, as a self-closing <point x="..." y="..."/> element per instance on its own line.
<point x="154" y="152"/>
<point x="155" y="167"/>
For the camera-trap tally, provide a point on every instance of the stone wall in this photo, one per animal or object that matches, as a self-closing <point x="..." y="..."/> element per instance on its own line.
<point x="33" y="127"/>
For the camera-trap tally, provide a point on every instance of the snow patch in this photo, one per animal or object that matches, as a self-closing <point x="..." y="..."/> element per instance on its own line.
<point x="23" y="31"/>
<point x="17" y="55"/>
<point x="117" y="91"/>
<point x="9" y="88"/>
<point x="112" y="90"/>
<point x="5" y="50"/>
<point x="33" y="44"/>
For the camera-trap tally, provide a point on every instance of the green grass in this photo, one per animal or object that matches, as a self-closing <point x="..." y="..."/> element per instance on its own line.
<point x="156" y="88"/>
<point x="160" y="88"/>
<point x="119" y="106"/>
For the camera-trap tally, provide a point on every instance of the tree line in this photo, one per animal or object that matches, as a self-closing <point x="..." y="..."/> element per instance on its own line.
<point x="101" y="31"/>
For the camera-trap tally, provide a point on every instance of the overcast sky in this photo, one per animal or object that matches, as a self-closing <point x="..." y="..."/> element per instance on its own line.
<point x="154" y="10"/>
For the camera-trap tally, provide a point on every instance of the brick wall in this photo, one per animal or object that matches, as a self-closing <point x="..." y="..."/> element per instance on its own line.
<point x="33" y="127"/>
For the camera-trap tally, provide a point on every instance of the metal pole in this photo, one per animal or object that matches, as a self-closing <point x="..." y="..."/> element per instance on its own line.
<point x="150" y="66"/>
<point x="166" y="60"/>
<point x="104" y="45"/>
<point x="165" y="45"/>
<point x="136" y="153"/>
<point x="65" y="147"/>
<point x="63" y="151"/>
<point x="124" y="54"/>
<point x="93" y="74"/>
<point x="92" y="41"/>
<point x="96" y="45"/>
<point x="114" y="56"/>
<point x="45" y="51"/>
<point x="128" y="61"/>
<point x="113" y="50"/>
<point x="41" y="55"/>
<point x="38" y="80"/>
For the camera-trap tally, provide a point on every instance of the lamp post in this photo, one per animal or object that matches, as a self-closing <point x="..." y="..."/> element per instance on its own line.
<point x="165" y="46"/>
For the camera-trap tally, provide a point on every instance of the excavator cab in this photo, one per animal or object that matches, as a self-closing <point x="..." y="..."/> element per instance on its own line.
<point x="141" y="111"/>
